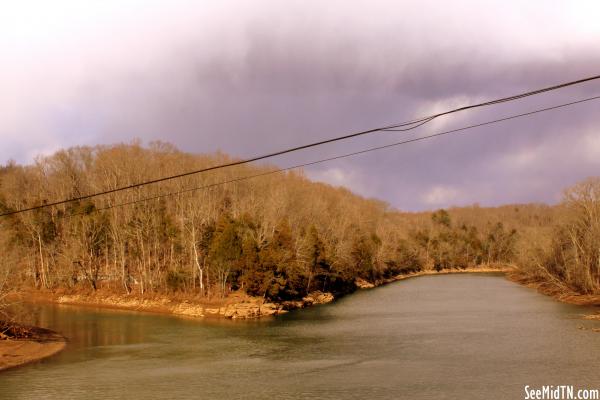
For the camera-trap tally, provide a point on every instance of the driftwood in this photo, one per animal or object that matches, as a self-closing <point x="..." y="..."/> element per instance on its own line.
<point x="14" y="331"/>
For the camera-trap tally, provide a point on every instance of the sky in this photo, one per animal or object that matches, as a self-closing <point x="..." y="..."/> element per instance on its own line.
<point x="252" y="77"/>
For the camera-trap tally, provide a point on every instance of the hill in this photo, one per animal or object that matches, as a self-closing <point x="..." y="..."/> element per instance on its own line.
<point x="278" y="236"/>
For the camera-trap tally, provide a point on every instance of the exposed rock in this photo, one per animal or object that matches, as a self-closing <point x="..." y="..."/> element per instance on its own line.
<point x="234" y="308"/>
<point x="251" y="310"/>
<point x="293" y="304"/>
<point x="68" y="299"/>
<point x="189" y="310"/>
<point x="592" y="316"/>
<point x="271" y="309"/>
<point x="318" y="298"/>
<point x="241" y="311"/>
<point x="363" y="284"/>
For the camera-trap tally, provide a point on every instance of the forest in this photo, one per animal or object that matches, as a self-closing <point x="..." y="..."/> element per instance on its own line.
<point x="276" y="235"/>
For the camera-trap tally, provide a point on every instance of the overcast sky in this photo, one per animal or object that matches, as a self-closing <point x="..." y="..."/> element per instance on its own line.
<point x="249" y="77"/>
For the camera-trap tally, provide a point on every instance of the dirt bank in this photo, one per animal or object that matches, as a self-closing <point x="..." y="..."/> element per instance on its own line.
<point x="235" y="306"/>
<point x="556" y="291"/>
<point x="43" y="343"/>
<point x="474" y="270"/>
<point x="240" y="306"/>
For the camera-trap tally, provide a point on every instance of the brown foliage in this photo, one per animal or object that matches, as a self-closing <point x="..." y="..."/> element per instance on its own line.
<point x="571" y="258"/>
<point x="278" y="236"/>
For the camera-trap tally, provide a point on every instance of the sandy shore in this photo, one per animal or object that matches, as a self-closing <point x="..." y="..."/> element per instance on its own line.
<point x="17" y="352"/>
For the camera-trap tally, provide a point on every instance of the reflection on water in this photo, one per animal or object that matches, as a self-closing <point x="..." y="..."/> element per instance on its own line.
<point x="460" y="336"/>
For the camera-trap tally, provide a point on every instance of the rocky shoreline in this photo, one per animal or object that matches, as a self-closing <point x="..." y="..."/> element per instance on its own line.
<point x="16" y="352"/>
<point x="237" y="307"/>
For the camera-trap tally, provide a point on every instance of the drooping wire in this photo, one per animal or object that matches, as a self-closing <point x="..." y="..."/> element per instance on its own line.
<point x="406" y="125"/>
<point x="457" y="130"/>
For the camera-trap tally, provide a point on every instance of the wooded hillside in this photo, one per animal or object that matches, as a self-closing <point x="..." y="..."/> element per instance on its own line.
<point x="280" y="235"/>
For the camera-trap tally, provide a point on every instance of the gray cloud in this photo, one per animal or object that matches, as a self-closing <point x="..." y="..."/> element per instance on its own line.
<point x="273" y="76"/>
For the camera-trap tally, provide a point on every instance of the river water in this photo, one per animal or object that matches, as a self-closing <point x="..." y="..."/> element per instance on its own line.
<point x="433" y="337"/>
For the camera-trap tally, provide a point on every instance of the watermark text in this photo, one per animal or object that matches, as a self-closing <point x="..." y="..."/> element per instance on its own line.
<point x="560" y="392"/>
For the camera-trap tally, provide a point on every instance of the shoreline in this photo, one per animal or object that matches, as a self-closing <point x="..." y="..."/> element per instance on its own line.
<point x="514" y="275"/>
<point x="241" y="306"/>
<point x="554" y="291"/>
<point x="16" y="353"/>
<point x="473" y="270"/>
<point x="237" y="306"/>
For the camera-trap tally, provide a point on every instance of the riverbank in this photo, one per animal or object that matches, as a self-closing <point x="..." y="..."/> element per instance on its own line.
<point x="554" y="290"/>
<point x="235" y="306"/>
<point x="241" y="306"/>
<point x="42" y="343"/>
<point x="361" y="284"/>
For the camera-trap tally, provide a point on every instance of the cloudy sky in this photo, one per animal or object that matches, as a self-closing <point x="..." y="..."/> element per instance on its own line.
<point x="253" y="77"/>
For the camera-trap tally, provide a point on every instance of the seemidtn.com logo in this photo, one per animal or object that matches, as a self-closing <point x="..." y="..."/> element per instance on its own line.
<point x="560" y="392"/>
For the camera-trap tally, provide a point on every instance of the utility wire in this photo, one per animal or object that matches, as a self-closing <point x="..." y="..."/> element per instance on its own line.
<point x="457" y="130"/>
<point x="405" y="125"/>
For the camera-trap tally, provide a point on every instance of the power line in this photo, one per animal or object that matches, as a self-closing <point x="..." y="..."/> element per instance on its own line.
<point x="395" y="127"/>
<point x="457" y="130"/>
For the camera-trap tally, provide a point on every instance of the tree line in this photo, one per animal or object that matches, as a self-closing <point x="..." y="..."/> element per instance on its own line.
<point x="278" y="236"/>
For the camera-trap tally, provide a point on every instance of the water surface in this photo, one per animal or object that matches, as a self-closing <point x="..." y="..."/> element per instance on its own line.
<point x="433" y="337"/>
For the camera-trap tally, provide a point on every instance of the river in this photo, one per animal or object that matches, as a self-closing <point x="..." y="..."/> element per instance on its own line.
<point x="468" y="336"/>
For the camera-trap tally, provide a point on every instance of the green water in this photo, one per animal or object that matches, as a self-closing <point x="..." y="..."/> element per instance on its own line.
<point x="435" y="337"/>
